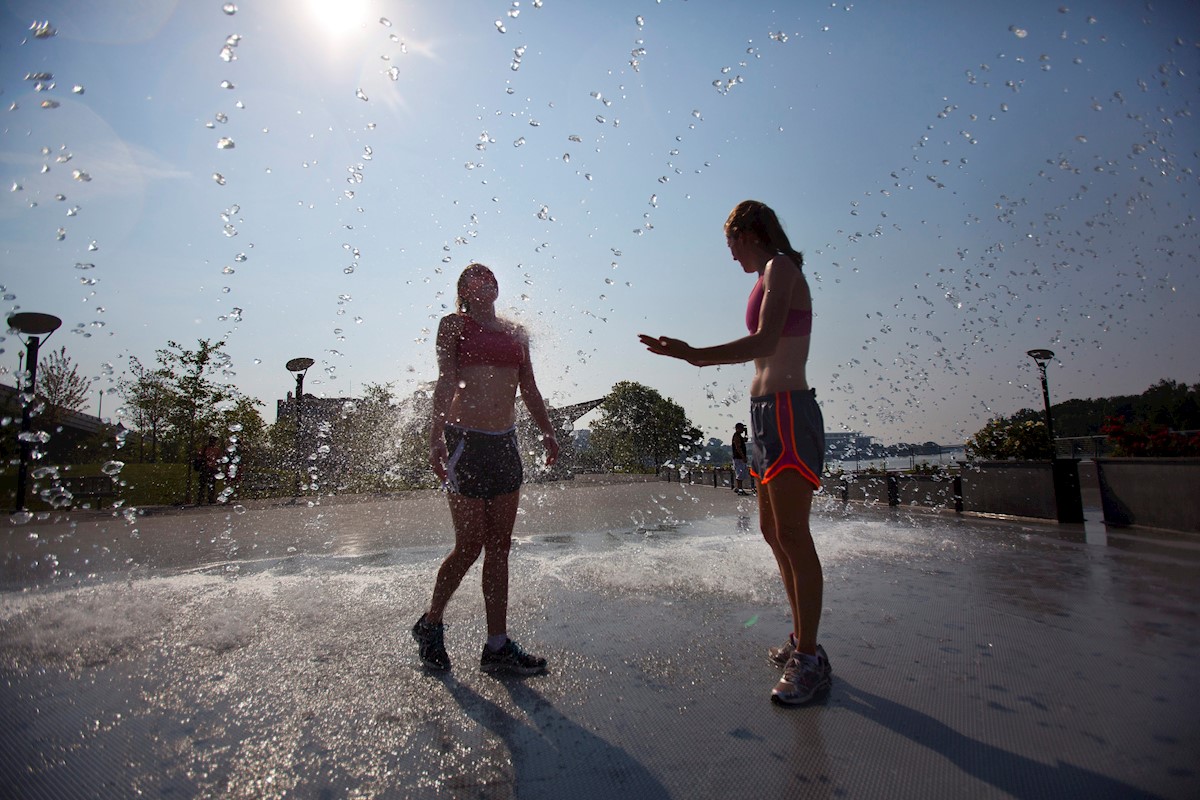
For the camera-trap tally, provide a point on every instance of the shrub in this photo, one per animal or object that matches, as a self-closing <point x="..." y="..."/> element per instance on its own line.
<point x="1004" y="438"/>
<point x="1148" y="440"/>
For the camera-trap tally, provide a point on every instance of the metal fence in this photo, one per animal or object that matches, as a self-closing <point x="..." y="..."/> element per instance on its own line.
<point x="1082" y="447"/>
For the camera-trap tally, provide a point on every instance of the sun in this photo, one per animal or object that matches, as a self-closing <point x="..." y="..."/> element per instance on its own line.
<point x="337" y="17"/>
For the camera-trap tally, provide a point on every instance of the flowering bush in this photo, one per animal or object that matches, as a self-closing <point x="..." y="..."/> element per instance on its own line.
<point x="1148" y="440"/>
<point x="1004" y="438"/>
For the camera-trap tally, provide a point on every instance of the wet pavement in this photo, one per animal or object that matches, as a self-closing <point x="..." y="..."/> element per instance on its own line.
<point x="263" y="651"/>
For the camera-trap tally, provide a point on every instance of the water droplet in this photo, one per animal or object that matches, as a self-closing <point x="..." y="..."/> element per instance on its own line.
<point x="77" y="89"/>
<point x="225" y="143"/>
<point x="229" y="8"/>
<point x="81" y="176"/>
<point x="43" y="30"/>
<point x="385" y="22"/>
<point x="219" y="178"/>
<point x="500" y="26"/>
<point x="112" y="467"/>
<point x="227" y="84"/>
<point x="1020" y="33"/>
<point x="360" y="95"/>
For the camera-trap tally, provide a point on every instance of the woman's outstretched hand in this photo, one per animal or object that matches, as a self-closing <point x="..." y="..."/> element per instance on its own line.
<point x="663" y="345"/>
<point x="673" y="348"/>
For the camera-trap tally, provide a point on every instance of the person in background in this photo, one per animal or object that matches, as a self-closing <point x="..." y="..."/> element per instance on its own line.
<point x="483" y="361"/>
<point x="741" y="472"/>
<point x="786" y="427"/>
<point x="207" y="464"/>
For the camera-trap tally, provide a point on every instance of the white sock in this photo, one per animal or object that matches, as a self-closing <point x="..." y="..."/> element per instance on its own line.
<point x="494" y="643"/>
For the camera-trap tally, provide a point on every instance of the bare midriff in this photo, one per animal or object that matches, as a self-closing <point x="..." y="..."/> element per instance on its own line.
<point x="783" y="370"/>
<point x="485" y="399"/>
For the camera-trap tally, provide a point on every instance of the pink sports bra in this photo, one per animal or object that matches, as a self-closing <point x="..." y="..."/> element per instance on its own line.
<point x="480" y="346"/>
<point x="798" y="322"/>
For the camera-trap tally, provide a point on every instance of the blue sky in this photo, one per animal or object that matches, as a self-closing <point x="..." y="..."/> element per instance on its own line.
<point x="967" y="180"/>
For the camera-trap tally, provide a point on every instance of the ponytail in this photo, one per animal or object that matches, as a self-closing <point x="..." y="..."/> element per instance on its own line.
<point x="760" y="221"/>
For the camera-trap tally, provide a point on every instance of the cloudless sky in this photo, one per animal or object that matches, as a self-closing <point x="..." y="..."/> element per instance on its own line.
<point x="967" y="180"/>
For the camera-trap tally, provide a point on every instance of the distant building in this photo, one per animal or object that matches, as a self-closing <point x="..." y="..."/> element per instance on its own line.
<point x="315" y="409"/>
<point x="68" y="429"/>
<point x="843" y="446"/>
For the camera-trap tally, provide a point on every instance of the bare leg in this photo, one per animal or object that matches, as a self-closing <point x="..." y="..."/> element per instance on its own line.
<point x="470" y="529"/>
<point x="784" y="515"/>
<point x="766" y="521"/>
<point x="501" y="516"/>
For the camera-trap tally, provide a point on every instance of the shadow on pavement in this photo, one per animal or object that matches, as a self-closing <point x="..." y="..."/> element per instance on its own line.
<point x="1009" y="772"/>
<point x="553" y="756"/>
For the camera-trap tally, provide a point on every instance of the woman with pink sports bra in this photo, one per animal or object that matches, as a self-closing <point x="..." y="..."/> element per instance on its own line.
<point x="483" y="361"/>
<point x="787" y="429"/>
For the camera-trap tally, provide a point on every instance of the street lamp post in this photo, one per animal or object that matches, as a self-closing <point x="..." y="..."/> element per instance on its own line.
<point x="34" y="326"/>
<point x="1040" y="357"/>
<point x="298" y="366"/>
<point x="1064" y="471"/>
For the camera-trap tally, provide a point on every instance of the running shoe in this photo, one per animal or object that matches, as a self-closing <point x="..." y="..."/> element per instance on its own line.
<point x="803" y="679"/>
<point x="779" y="656"/>
<point x="511" y="658"/>
<point x="432" y="648"/>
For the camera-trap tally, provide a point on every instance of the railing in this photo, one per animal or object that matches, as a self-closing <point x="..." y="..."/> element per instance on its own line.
<point x="1082" y="447"/>
<point x="716" y="477"/>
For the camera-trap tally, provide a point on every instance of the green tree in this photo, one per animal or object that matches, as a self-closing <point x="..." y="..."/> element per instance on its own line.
<point x="639" y="428"/>
<point x="148" y="402"/>
<point x="246" y="440"/>
<point x="195" y="400"/>
<point x="364" y="438"/>
<point x="61" y="386"/>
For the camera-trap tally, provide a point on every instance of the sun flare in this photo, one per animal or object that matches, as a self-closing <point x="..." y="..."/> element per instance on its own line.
<point x="337" y="17"/>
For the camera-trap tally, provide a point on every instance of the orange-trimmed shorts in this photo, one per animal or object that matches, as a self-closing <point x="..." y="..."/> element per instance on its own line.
<point x="787" y="431"/>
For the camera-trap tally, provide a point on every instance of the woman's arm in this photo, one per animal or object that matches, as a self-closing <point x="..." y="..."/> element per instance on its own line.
<point x="532" y="397"/>
<point x="449" y="330"/>
<point x="779" y="282"/>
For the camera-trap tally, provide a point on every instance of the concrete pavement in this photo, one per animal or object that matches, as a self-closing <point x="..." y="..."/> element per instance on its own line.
<point x="265" y="653"/>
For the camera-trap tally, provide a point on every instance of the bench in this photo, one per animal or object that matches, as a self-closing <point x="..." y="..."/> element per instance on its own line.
<point x="90" y="486"/>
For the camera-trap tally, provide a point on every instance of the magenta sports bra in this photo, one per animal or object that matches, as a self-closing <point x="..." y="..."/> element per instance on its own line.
<point x="480" y="346"/>
<point x="798" y="322"/>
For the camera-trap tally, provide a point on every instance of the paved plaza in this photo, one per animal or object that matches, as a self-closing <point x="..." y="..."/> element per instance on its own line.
<point x="263" y="651"/>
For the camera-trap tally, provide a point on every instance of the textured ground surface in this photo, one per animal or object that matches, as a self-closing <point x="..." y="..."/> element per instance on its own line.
<point x="264" y="651"/>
